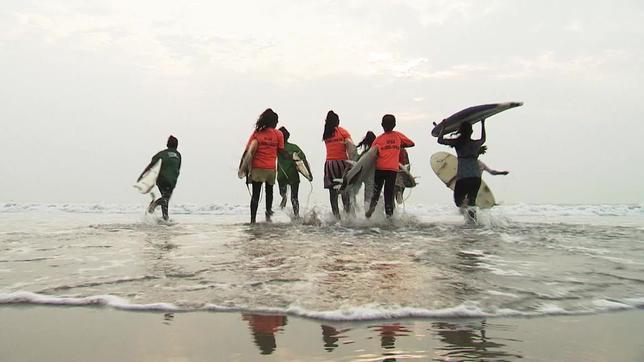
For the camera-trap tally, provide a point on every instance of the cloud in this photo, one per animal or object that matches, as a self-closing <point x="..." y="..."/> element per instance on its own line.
<point x="283" y="40"/>
<point x="549" y="63"/>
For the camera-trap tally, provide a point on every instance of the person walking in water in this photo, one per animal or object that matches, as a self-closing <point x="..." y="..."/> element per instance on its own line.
<point x="363" y="147"/>
<point x="468" y="171"/>
<point x="287" y="174"/>
<point x="338" y="146"/>
<point x="168" y="175"/>
<point x="389" y="145"/>
<point x="269" y="143"/>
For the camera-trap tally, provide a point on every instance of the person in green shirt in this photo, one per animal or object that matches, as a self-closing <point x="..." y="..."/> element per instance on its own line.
<point x="287" y="174"/>
<point x="168" y="175"/>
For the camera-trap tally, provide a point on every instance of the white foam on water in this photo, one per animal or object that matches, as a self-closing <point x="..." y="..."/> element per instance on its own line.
<point x="97" y="300"/>
<point x="604" y="304"/>
<point x="552" y="309"/>
<point x="635" y="302"/>
<point x="473" y="252"/>
<point x="497" y="216"/>
<point x="362" y="313"/>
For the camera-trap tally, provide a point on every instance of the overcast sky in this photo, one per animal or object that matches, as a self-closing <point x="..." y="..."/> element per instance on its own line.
<point x="90" y="90"/>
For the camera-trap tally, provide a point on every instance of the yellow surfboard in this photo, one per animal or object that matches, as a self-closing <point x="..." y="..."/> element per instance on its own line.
<point x="444" y="165"/>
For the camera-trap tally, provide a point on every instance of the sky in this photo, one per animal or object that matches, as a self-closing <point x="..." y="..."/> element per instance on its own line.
<point x="90" y="91"/>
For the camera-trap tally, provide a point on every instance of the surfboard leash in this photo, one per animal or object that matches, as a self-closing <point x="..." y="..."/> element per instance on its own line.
<point x="308" y="198"/>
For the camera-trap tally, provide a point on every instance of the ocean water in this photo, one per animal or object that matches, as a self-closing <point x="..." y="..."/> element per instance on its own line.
<point x="521" y="260"/>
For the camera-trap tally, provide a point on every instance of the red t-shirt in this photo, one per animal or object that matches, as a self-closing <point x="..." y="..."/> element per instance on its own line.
<point x="389" y="144"/>
<point x="336" y="149"/>
<point x="269" y="142"/>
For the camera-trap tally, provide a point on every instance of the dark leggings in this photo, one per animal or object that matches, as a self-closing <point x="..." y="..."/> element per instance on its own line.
<point x="164" y="200"/>
<point x="254" y="200"/>
<point x="388" y="178"/>
<point x="294" y="198"/>
<point x="469" y="187"/>
<point x="346" y="202"/>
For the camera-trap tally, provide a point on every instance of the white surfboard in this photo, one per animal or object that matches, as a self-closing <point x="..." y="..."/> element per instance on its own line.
<point x="352" y="151"/>
<point x="246" y="162"/>
<point x="404" y="178"/>
<point x="149" y="178"/>
<point x="302" y="167"/>
<point x="360" y="169"/>
<point x="471" y="115"/>
<point x="445" y="164"/>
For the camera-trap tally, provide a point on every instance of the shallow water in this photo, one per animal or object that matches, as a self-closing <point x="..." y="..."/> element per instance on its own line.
<point x="423" y="264"/>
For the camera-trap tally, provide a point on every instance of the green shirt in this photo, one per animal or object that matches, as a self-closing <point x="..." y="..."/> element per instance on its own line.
<point x="286" y="171"/>
<point x="169" y="166"/>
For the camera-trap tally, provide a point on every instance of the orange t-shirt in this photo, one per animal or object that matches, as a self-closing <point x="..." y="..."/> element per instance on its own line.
<point x="335" y="146"/>
<point x="269" y="142"/>
<point x="389" y="144"/>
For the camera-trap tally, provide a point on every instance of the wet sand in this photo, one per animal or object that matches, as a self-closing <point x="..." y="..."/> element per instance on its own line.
<point x="45" y="333"/>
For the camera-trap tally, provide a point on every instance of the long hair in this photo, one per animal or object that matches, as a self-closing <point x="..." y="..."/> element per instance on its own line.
<point x="330" y="123"/>
<point x="367" y="140"/>
<point x="268" y="119"/>
<point x="285" y="132"/>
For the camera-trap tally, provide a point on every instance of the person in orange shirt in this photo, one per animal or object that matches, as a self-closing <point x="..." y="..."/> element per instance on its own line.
<point x="389" y="144"/>
<point x="269" y="143"/>
<point x="336" y="139"/>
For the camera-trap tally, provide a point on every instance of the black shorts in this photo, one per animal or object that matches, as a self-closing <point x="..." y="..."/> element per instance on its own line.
<point x="466" y="187"/>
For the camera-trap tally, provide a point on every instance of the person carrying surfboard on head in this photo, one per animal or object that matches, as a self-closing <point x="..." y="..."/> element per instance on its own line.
<point x="339" y="149"/>
<point x="168" y="175"/>
<point x="468" y="173"/>
<point x="288" y="174"/>
<point x="269" y="142"/>
<point x="389" y="145"/>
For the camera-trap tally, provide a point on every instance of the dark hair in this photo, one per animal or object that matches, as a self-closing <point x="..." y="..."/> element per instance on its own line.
<point x="330" y="123"/>
<point x="268" y="119"/>
<point x="464" y="133"/>
<point x="367" y="140"/>
<point x="388" y="122"/>
<point x="172" y="142"/>
<point x="465" y="128"/>
<point x="285" y="132"/>
<point x="482" y="150"/>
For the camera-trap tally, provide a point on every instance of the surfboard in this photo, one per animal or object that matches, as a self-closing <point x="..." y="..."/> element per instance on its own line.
<point x="471" y="115"/>
<point x="444" y="165"/>
<point x="302" y="167"/>
<point x="360" y="169"/>
<point x="352" y="151"/>
<point x="404" y="178"/>
<point x="149" y="178"/>
<point x="246" y="162"/>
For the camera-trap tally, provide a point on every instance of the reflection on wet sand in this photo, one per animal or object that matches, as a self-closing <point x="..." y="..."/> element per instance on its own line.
<point x="398" y="340"/>
<point x="468" y="342"/>
<point x="388" y="334"/>
<point x="263" y="328"/>
<point x="331" y="336"/>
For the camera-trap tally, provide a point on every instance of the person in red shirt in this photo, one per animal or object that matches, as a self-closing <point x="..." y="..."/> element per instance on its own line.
<point x="337" y="140"/>
<point x="269" y="143"/>
<point x="389" y="144"/>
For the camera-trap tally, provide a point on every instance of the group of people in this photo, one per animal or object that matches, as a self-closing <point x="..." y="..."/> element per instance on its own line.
<point x="274" y="159"/>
